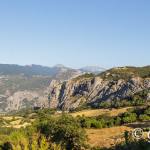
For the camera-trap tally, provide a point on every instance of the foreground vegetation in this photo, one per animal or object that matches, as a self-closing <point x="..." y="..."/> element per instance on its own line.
<point x="47" y="132"/>
<point x="46" y="129"/>
<point x="57" y="132"/>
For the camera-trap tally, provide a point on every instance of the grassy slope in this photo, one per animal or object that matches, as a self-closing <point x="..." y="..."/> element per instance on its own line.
<point x="15" y="122"/>
<point x="108" y="137"/>
<point x="21" y="82"/>
<point x="96" y="112"/>
<point x="126" y="73"/>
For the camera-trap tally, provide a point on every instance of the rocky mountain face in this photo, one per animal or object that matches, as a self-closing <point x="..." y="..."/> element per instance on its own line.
<point x="20" y="91"/>
<point x="112" y="84"/>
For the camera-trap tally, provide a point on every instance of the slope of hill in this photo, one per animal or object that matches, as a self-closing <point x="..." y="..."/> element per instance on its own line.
<point x="116" y="83"/>
<point x="19" y="90"/>
<point x="126" y="73"/>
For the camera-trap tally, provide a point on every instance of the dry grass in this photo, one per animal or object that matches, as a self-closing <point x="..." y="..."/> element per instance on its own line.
<point x="30" y="115"/>
<point x="16" y="122"/>
<point x="32" y="120"/>
<point x="19" y="126"/>
<point x="18" y="117"/>
<point x="7" y="118"/>
<point x="108" y="137"/>
<point x="10" y="118"/>
<point x="22" y="125"/>
<point x="96" y="112"/>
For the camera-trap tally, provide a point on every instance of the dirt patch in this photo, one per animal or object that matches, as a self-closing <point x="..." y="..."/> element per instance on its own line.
<point x="106" y="137"/>
<point x="32" y="120"/>
<point x="16" y="122"/>
<point x="19" y="126"/>
<point x="30" y="115"/>
<point x="10" y="118"/>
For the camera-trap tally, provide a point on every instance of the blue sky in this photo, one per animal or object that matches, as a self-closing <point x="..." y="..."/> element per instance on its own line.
<point x="76" y="33"/>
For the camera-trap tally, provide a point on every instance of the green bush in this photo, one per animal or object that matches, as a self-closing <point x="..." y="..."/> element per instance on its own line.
<point x="143" y="117"/>
<point x="96" y="124"/>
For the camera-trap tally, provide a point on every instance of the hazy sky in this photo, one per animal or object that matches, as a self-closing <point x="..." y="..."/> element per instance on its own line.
<point x="75" y="33"/>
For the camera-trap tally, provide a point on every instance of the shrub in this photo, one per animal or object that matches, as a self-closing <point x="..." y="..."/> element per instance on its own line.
<point x="143" y="117"/>
<point x="96" y="124"/>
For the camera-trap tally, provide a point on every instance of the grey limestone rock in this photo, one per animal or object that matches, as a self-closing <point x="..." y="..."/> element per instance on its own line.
<point x="68" y="94"/>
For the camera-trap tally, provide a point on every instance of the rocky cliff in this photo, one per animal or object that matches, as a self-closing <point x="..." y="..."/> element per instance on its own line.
<point x="20" y="91"/>
<point x="75" y="92"/>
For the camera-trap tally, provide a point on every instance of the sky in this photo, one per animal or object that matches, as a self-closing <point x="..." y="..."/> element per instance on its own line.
<point x="75" y="33"/>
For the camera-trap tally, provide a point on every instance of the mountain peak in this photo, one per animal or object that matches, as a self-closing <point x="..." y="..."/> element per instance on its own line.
<point x="93" y="69"/>
<point x="58" y="66"/>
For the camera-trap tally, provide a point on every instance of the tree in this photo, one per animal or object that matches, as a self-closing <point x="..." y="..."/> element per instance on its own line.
<point x="147" y="111"/>
<point x="96" y="124"/>
<point x="117" y="121"/>
<point x="143" y="117"/>
<point x="64" y="129"/>
<point x="129" y="117"/>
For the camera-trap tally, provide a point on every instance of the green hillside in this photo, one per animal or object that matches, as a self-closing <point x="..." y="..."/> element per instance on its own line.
<point x="126" y="73"/>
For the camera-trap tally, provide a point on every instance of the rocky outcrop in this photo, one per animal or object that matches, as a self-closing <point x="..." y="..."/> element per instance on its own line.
<point x="72" y="93"/>
<point x="26" y="99"/>
<point x="25" y="93"/>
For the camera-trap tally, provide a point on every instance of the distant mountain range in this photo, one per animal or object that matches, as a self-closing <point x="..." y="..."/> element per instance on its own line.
<point x="7" y="69"/>
<point x="93" y="69"/>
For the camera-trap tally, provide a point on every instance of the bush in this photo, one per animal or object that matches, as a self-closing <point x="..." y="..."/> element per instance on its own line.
<point x="129" y="117"/>
<point x="96" y="124"/>
<point x="64" y="129"/>
<point x="143" y="117"/>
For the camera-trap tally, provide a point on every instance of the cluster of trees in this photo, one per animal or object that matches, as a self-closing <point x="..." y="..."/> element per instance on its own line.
<point x="85" y="105"/>
<point x="104" y="121"/>
<point x="47" y="132"/>
<point x="64" y="129"/>
<point x="137" y="99"/>
<point x="101" y="121"/>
